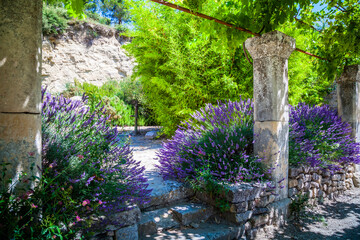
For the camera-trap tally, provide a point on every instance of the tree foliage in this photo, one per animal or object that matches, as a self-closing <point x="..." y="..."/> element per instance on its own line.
<point x="181" y="66"/>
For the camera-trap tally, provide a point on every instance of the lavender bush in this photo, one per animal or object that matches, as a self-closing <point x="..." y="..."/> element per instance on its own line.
<point x="87" y="172"/>
<point x="83" y="151"/>
<point x="319" y="138"/>
<point x="215" y="143"/>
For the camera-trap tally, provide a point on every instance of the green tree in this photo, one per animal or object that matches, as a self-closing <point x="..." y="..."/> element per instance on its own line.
<point x="115" y="10"/>
<point x="183" y="60"/>
<point x="181" y="66"/>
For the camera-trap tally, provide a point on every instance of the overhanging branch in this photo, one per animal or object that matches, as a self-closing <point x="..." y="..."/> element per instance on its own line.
<point x="177" y="7"/>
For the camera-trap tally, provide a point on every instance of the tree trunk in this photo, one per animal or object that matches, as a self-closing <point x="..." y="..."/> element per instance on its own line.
<point x="136" y="117"/>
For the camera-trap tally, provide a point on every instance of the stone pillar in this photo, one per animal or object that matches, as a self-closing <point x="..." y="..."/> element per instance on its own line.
<point x="270" y="54"/>
<point x="20" y="86"/>
<point x="348" y="90"/>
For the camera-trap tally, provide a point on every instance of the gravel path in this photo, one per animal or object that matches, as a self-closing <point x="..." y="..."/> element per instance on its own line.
<point x="338" y="219"/>
<point x="144" y="150"/>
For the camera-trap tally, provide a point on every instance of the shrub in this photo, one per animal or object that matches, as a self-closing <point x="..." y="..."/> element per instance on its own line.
<point x="119" y="99"/>
<point x="216" y="141"/>
<point x="97" y="18"/>
<point x="87" y="171"/>
<point x="319" y="138"/>
<point x="54" y="20"/>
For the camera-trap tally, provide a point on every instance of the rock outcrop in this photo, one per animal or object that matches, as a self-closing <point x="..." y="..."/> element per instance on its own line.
<point x="86" y="52"/>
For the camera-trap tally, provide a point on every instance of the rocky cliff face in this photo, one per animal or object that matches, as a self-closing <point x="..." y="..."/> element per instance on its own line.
<point x="86" y="52"/>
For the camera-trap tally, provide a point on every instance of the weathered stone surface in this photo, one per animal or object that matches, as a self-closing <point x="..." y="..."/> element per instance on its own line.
<point x="20" y="87"/>
<point x="292" y="192"/>
<point x="157" y="220"/>
<point x="78" y="54"/>
<point x="128" y="217"/>
<point x="279" y="211"/>
<point x="191" y="213"/>
<point x="356" y="179"/>
<point x="307" y="178"/>
<point x="270" y="53"/>
<point x="128" y="233"/>
<point x="238" y="207"/>
<point x="151" y="135"/>
<point x="208" y="231"/>
<point x="258" y="211"/>
<point x="293" y="183"/>
<point x="20" y="144"/>
<point x="259" y="220"/>
<point x="316" y="177"/>
<point x="167" y="194"/>
<point x="271" y="144"/>
<point x="238" y="218"/>
<point x="295" y="172"/>
<point x="264" y="201"/>
<point x="348" y="97"/>
<point x="336" y="177"/>
<point x="237" y="193"/>
<point x="20" y="56"/>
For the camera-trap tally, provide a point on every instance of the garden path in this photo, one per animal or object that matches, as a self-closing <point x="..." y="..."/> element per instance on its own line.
<point x="338" y="219"/>
<point x="144" y="150"/>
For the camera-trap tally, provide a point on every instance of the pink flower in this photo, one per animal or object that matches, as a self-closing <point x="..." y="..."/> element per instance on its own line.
<point x="78" y="219"/>
<point x="80" y="156"/>
<point x="85" y="202"/>
<point x="33" y="206"/>
<point x="201" y="152"/>
<point x="100" y="202"/>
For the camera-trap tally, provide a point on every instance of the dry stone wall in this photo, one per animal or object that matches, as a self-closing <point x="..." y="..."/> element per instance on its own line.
<point x="86" y="52"/>
<point x="253" y="206"/>
<point x="319" y="183"/>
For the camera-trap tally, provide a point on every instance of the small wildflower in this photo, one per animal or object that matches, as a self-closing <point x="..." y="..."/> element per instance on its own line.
<point x="78" y="219"/>
<point x="33" y="206"/>
<point x="31" y="154"/>
<point x="85" y="202"/>
<point x="80" y="156"/>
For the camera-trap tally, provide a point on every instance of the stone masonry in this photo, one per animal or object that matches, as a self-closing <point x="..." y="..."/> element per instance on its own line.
<point x="348" y="90"/>
<point x="20" y="85"/>
<point x="318" y="183"/>
<point x="270" y="54"/>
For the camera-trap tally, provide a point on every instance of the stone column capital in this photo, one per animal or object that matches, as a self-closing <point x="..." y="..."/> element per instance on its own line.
<point x="351" y="74"/>
<point x="271" y="44"/>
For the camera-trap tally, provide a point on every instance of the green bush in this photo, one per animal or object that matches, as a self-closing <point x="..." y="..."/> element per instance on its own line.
<point x="118" y="98"/>
<point x="97" y="18"/>
<point x="181" y="66"/>
<point x="54" y="20"/>
<point x="87" y="171"/>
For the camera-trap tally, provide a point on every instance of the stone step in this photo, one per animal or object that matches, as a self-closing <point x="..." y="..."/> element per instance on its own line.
<point x="189" y="213"/>
<point x="204" y="231"/>
<point x="163" y="219"/>
<point x="155" y="221"/>
<point x="165" y="193"/>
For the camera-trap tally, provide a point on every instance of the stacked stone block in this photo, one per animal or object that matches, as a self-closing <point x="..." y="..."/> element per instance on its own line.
<point x="252" y="206"/>
<point x="318" y="183"/>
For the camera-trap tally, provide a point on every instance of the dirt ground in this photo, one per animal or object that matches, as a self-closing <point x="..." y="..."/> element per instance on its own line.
<point x="338" y="219"/>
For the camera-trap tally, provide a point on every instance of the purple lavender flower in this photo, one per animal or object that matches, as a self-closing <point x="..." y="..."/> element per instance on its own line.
<point x="217" y="140"/>
<point x="319" y="138"/>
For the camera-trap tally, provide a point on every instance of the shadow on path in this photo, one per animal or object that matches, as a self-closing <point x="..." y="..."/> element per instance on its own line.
<point x="334" y="220"/>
